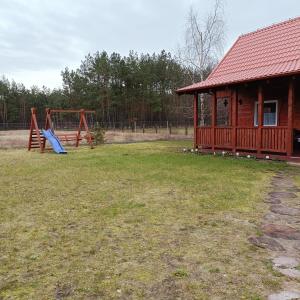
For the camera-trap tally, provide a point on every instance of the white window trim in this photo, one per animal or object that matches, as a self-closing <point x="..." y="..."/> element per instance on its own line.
<point x="256" y="113"/>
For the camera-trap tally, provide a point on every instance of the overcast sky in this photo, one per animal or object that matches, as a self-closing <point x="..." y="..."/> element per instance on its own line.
<point x="39" y="38"/>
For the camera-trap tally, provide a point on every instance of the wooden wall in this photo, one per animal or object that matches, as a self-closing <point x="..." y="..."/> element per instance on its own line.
<point x="273" y="90"/>
<point x="245" y="110"/>
<point x="297" y="105"/>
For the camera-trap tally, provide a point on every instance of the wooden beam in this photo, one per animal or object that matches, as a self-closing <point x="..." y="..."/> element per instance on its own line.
<point x="34" y="130"/>
<point x="213" y="118"/>
<point x="290" y="135"/>
<point x="79" y="128"/>
<point x="195" y="119"/>
<point x="260" y="117"/>
<point x="234" y="101"/>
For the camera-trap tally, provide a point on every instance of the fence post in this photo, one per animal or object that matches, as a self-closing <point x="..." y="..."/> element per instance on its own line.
<point x="186" y="129"/>
<point x="143" y="127"/>
<point x="170" y="129"/>
<point x="156" y="129"/>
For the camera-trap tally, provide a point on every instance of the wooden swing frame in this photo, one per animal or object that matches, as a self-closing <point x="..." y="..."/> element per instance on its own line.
<point x="37" y="140"/>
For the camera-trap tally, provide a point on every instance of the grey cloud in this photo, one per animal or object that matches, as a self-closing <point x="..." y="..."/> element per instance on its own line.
<point x="42" y="37"/>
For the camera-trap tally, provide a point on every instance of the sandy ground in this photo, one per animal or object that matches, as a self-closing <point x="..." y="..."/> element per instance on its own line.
<point x="19" y="138"/>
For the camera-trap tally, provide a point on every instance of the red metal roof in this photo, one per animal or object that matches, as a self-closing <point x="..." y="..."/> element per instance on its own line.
<point x="269" y="52"/>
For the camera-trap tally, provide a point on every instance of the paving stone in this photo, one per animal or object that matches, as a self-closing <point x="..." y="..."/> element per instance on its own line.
<point x="282" y="183"/>
<point x="292" y="273"/>
<point x="271" y="217"/>
<point x="266" y="242"/>
<point x="284" y="210"/>
<point x="272" y="200"/>
<point x="282" y="195"/>
<point x="285" y="262"/>
<point x="281" y="219"/>
<point x="294" y="189"/>
<point x="280" y="186"/>
<point x="285" y="295"/>
<point x="281" y="231"/>
<point x="283" y="189"/>
<point x="297" y="246"/>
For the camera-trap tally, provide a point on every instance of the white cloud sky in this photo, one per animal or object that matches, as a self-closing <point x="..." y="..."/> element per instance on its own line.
<point x="39" y="38"/>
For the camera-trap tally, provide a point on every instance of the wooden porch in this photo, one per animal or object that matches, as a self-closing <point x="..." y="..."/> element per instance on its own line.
<point x="244" y="138"/>
<point x="260" y="140"/>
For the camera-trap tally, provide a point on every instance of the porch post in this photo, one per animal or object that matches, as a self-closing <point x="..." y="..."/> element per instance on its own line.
<point x="260" y="118"/>
<point x="213" y="119"/>
<point x="195" y="119"/>
<point x="290" y="137"/>
<point x="234" y="100"/>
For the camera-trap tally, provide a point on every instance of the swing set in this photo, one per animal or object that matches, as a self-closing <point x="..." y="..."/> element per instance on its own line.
<point x="37" y="139"/>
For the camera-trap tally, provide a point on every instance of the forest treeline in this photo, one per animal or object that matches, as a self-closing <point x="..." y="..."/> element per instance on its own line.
<point x="121" y="89"/>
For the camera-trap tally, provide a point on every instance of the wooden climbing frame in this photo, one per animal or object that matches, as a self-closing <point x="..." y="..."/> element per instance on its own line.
<point x="37" y="140"/>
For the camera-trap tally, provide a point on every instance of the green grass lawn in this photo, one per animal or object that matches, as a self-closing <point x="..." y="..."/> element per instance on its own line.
<point x="135" y="221"/>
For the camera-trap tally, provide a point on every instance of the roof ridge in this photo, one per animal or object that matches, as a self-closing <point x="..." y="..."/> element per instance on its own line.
<point x="271" y="26"/>
<point x="246" y="34"/>
<point x="273" y="51"/>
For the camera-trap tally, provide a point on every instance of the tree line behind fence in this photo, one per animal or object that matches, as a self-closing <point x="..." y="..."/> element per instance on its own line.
<point x="121" y="89"/>
<point x="164" y="127"/>
<point x="127" y="89"/>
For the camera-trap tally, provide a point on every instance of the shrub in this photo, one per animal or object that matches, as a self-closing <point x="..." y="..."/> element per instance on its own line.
<point x="99" y="134"/>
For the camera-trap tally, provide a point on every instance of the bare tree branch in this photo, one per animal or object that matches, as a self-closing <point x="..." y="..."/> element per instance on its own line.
<point x="204" y="40"/>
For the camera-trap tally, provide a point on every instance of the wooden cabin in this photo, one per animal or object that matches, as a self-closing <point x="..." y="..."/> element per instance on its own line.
<point x="250" y="103"/>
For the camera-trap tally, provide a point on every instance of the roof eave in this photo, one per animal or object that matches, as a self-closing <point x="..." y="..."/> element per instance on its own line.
<point x="207" y="88"/>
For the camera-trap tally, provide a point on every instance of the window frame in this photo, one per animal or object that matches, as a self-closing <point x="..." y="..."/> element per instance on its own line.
<point x="227" y="109"/>
<point x="256" y="113"/>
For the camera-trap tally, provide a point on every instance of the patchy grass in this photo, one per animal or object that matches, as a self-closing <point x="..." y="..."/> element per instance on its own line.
<point x="132" y="222"/>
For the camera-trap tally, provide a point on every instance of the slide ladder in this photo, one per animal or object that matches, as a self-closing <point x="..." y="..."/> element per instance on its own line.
<point x="36" y="138"/>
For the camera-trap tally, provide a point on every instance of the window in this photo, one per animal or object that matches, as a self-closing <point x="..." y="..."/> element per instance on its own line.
<point x="204" y="108"/>
<point x="270" y="113"/>
<point x="223" y="111"/>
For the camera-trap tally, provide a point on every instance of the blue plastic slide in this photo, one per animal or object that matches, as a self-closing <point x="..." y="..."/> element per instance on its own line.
<point x="54" y="141"/>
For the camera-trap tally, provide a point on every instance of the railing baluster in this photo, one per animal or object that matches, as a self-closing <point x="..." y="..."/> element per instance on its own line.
<point x="273" y="139"/>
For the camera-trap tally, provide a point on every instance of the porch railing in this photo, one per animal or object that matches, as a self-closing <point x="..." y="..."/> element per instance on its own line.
<point x="223" y="137"/>
<point x="204" y="136"/>
<point x="273" y="139"/>
<point x="246" y="138"/>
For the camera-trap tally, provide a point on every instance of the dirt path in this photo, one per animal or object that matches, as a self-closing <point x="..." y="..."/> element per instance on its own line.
<point x="281" y="233"/>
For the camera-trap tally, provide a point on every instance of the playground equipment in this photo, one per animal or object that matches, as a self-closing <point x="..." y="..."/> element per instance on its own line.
<point x="38" y="138"/>
<point x="54" y="141"/>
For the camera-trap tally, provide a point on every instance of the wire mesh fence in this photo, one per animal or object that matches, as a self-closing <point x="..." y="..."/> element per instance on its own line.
<point x="162" y="127"/>
<point x="14" y="126"/>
